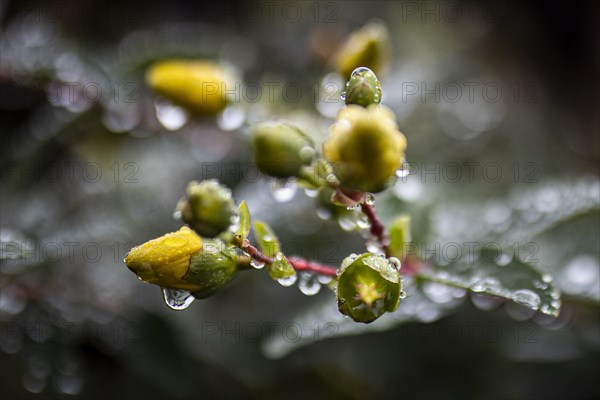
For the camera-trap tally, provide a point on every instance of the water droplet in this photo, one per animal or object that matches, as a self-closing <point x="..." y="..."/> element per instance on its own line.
<point x="373" y="246"/>
<point x="403" y="294"/>
<point x="518" y="312"/>
<point x="490" y="285"/>
<point x="324" y="213"/>
<point x="177" y="299"/>
<point x="438" y="293"/>
<point x="283" y="191"/>
<point x="289" y="281"/>
<point x="312" y="193"/>
<point x="485" y="302"/>
<point x="235" y="223"/>
<point x="527" y="298"/>
<point x="402" y="172"/>
<point x="309" y="284"/>
<point x="362" y="221"/>
<point x="360" y="70"/>
<point x="352" y="207"/>
<point x="231" y="118"/>
<point x="169" y="115"/>
<point x="395" y="262"/>
<point x="547" y="278"/>
<point x="325" y="279"/>
<point x="504" y="259"/>
<point x="343" y="96"/>
<point x="257" y="264"/>
<point x="370" y="199"/>
<point x="347" y="223"/>
<point x="177" y="214"/>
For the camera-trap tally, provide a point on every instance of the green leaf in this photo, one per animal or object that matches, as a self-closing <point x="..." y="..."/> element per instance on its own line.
<point x="244" y="228"/>
<point x="280" y="268"/>
<point x="503" y="276"/>
<point x="267" y="241"/>
<point x="400" y="236"/>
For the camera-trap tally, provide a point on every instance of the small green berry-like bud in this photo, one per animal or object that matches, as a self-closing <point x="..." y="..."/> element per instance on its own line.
<point x="363" y="88"/>
<point x="208" y="208"/>
<point x="368" y="286"/>
<point x="281" y="149"/>
<point x="212" y="268"/>
<point x="365" y="147"/>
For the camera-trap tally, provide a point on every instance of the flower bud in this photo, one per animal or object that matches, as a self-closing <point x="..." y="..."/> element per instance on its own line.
<point x="368" y="286"/>
<point x="281" y="149"/>
<point x="363" y="88"/>
<point x="369" y="47"/>
<point x="198" y="86"/>
<point x="208" y="208"/>
<point x="182" y="260"/>
<point x="365" y="147"/>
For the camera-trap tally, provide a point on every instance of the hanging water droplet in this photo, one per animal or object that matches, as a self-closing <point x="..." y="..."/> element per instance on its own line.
<point x="324" y="213"/>
<point x="373" y="246"/>
<point x="490" y="285"/>
<point x="283" y="191"/>
<point x="362" y="221"/>
<point x="177" y="299"/>
<point x="403" y="294"/>
<point x="370" y="199"/>
<point x="343" y="96"/>
<point x="347" y="223"/>
<point x="353" y="207"/>
<point x="485" y="302"/>
<point x="169" y="115"/>
<point x="231" y="118"/>
<point x="177" y="214"/>
<point x="312" y="193"/>
<point x="309" y="284"/>
<point x="289" y="281"/>
<point x="257" y="264"/>
<point x="547" y="278"/>
<point x="401" y="172"/>
<point x="438" y="293"/>
<point x="504" y="259"/>
<point x="325" y="279"/>
<point x="395" y="262"/>
<point x="527" y="298"/>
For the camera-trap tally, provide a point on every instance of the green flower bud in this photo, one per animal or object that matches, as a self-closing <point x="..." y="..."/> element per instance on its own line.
<point x="198" y="86"/>
<point x="212" y="268"/>
<point x="208" y="208"/>
<point x="369" y="47"/>
<point x="182" y="260"/>
<point x="363" y="88"/>
<point x="365" y="147"/>
<point x="281" y="149"/>
<point x="368" y="286"/>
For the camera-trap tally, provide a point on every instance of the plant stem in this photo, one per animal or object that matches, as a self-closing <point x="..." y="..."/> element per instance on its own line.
<point x="298" y="263"/>
<point x="377" y="227"/>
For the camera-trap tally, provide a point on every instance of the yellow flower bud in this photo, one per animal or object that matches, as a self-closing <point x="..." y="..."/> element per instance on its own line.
<point x="198" y="86"/>
<point x="365" y="147"/>
<point x="166" y="260"/>
<point x="368" y="47"/>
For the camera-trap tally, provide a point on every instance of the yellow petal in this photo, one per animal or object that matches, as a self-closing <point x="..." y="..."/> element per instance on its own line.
<point x="166" y="260"/>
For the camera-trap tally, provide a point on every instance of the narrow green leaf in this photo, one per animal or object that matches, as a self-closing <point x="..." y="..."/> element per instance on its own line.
<point x="244" y="228"/>
<point x="267" y="241"/>
<point x="503" y="276"/>
<point x="400" y="236"/>
<point x="280" y="268"/>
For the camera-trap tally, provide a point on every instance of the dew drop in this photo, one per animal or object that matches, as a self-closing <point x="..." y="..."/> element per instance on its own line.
<point x="395" y="262"/>
<point x="362" y="222"/>
<point x="360" y="70"/>
<point x="289" y="281"/>
<point x="527" y="298"/>
<point x="373" y="246"/>
<point x="347" y="223"/>
<point x="170" y="116"/>
<point x="309" y="284"/>
<point x="401" y="172"/>
<point x="343" y="96"/>
<point x="325" y="279"/>
<point x="177" y="299"/>
<point x="323" y="213"/>
<point x="283" y="191"/>
<point x="257" y="264"/>
<point x="231" y="118"/>
<point x="312" y="193"/>
<point x="403" y="294"/>
<point x="438" y="293"/>
<point x="370" y="199"/>
<point x="485" y="302"/>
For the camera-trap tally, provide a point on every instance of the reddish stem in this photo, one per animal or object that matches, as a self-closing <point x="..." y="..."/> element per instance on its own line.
<point x="298" y="263"/>
<point x="377" y="228"/>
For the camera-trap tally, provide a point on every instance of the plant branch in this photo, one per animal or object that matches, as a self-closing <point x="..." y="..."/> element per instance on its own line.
<point x="377" y="227"/>
<point x="298" y="263"/>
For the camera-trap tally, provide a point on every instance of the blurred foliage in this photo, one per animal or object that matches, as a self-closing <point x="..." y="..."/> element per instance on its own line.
<point x="93" y="163"/>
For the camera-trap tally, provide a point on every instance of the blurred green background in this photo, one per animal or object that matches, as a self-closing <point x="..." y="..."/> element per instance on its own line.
<point x="504" y="94"/>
